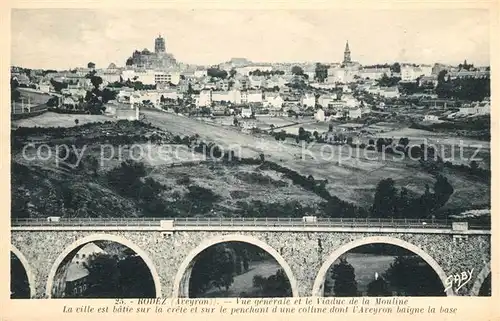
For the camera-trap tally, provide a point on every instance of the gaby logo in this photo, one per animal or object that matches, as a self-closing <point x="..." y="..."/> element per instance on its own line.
<point x="458" y="280"/>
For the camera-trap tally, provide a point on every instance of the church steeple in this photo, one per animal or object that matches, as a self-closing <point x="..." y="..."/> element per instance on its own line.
<point x="347" y="54"/>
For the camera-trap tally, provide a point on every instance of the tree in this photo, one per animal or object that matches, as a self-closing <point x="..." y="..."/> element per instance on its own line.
<point x="217" y="73"/>
<point x="345" y="281"/>
<point x="214" y="267"/>
<point x="378" y="287"/>
<point x="276" y="285"/>
<point x="302" y="132"/>
<point x="321" y="72"/>
<point x="93" y="164"/>
<point x="58" y="86"/>
<point x="386" y="81"/>
<point x="15" y="95"/>
<point x="396" y="67"/>
<point x="412" y="276"/>
<point x="136" y="280"/>
<point x="442" y="190"/>
<point x="14" y="83"/>
<point x="381" y="143"/>
<point x="474" y="165"/>
<point x="297" y="70"/>
<point x="385" y="200"/>
<point x="91" y="65"/>
<point x="103" y="278"/>
<point x="232" y="72"/>
<point x="53" y="102"/>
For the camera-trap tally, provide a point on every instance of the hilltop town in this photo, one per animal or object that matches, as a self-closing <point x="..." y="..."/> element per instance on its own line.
<point x="287" y="114"/>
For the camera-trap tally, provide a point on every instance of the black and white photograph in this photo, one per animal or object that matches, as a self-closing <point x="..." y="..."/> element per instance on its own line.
<point x="210" y="153"/>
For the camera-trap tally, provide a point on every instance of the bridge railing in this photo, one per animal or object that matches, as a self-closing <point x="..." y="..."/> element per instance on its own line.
<point x="320" y="222"/>
<point x="245" y="221"/>
<point x="87" y="222"/>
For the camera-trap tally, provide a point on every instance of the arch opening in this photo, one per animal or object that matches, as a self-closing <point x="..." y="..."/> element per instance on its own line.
<point x="22" y="283"/>
<point x="482" y="285"/>
<point x="380" y="266"/>
<point x="485" y="289"/>
<point x="235" y="266"/>
<point x="103" y="266"/>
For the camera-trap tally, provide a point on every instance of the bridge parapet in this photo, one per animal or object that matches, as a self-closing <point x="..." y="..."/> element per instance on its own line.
<point x="170" y="225"/>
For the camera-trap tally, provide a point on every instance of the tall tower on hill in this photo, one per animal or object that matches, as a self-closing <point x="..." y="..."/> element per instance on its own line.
<point x="159" y="44"/>
<point x="347" y="54"/>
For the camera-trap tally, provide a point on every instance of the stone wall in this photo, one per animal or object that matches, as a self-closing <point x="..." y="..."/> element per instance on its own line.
<point x="304" y="252"/>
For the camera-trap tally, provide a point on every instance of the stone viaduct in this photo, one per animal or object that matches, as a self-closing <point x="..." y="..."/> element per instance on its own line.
<point x="305" y="253"/>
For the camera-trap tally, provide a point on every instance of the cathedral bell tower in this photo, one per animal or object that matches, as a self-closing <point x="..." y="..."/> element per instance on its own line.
<point x="159" y="45"/>
<point x="347" y="54"/>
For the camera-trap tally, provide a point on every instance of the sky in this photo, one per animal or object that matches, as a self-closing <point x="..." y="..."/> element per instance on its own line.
<point x="69" y="38"/>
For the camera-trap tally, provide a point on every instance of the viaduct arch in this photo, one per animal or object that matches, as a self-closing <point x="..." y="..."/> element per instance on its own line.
<point x="308" y="254"/>
<point x="27" y="269"/>
<point x="476" y="287"/>
<point x="181" y="281"/>
<point x="102" y="237"/>
<point x="318" y="287"/>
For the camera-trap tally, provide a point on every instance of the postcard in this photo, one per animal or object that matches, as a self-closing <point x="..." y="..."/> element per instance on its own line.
<point x="295" y="160"/>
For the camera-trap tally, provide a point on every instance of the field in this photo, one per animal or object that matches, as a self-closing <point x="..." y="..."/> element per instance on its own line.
<point x="190" y="185"/>
<point x="185" y="183"/>
<point x="311" y="126"/>
<point x="351" y="175"/>
<point x="51" y="119"/>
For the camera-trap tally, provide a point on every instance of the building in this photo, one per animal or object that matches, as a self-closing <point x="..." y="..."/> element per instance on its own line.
<point x="146" y="59"/>
<point x="479" y="108"/>
<point x="350" y="101"/>
<point x="430" y="117"/>
<point x="229" y="96"/>
<point x="347" y="54"/>
<point x="246" y="112"/>
<point x="152" y="97"/>
<point x="354" y="113"/>
<point x="256" y="82"/>
<point x="205" y="98"/>
<point x="308" y="100"/>
<point x="167" y="77"/>
<point x="374" y="73"/>
<point x="159" y="45"/>
<point x="45" y="87"/>
<point x="251" y="96"/>
<point x="428" y="81"/>
<point x="469" y="74"/>
<point x="326" y="100"/>
<point x="320" y="115"/>
<point x="273" y="100"/>
<point x="171" y="94"/>
<point x="76" y="272"/>
<point x="200" y="73"/>
<point x="411" y="73"/>
<point x="152" y="77"/>
<point x="389" y="92"/>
